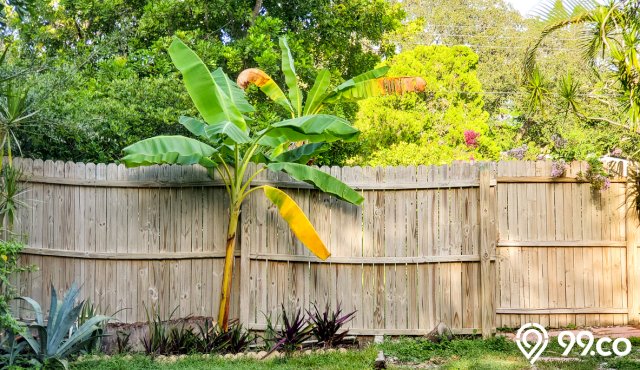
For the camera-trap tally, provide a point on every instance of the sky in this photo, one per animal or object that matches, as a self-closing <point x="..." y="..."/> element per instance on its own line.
<point x="523" y="6"/>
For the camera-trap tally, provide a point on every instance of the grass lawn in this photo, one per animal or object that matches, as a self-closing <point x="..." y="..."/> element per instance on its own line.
<point x="405" y="353"/>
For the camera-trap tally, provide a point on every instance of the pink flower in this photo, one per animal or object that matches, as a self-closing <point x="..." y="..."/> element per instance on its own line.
<point x="471" y="138"/>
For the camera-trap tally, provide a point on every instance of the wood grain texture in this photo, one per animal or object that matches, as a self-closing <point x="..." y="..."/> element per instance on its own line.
<point x="473" y="249"/>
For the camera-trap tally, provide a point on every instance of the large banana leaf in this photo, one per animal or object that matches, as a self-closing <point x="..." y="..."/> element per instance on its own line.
<point x="318" y="92"/>
<point x="335" y="94"/>
<point x="195" y="126"/>
<point x="232" y="91"/>
<point x="168" y="149"/>
<point x="320" y="180"/>
<point x="298" y="222"/>
<point x="290" y="77"/>
<point x="279" y="136"/>
<point x="228" y="129"/>
<point x="319" y="124"/>
<point x="266" y="84"/>
<point x="301" y="154"/>
<point x="208" y="97"/>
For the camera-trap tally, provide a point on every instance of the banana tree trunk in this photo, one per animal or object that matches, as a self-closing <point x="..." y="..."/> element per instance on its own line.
<point x="223" y="313"/>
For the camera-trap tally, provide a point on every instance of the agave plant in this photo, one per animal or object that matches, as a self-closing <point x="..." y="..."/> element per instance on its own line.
<point x="57" y="339"/>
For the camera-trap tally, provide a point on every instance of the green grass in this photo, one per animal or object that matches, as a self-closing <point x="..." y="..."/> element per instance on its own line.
<point x="497" y="353"/>
<point x="361" y="359"/>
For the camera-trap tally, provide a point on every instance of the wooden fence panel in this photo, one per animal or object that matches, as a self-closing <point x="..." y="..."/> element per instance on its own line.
<point x="560" y="250"/>
<point x="474" y="246"/>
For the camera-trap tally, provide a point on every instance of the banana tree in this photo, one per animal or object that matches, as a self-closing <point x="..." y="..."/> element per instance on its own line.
<point x="367" y="85"/>
<point x="225" y="143"/>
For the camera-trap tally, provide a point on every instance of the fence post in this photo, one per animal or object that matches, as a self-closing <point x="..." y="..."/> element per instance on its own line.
<point x="631" y="234"/>
<point x="486" y="224"/>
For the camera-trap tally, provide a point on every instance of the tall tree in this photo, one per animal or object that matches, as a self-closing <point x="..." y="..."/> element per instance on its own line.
<point x="110" y="56"/>
<point x="610" y="36"/>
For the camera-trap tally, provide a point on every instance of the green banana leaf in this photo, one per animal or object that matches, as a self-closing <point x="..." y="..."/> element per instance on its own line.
<point x="319" y="124"/>
<point x="320" y="180"/>
<point x="195" y="126"/>
<point x="208" y="97"/>
<point x="232" y="91"/>
<point x="341" y="89"/>
<point x="170" y="150"/>
<point x="290" y="77"/>
<point x="228" y="129"/>
<point x="318" y="92"/>
<point x="279" y="136"/>
<point x="301" y="154"/>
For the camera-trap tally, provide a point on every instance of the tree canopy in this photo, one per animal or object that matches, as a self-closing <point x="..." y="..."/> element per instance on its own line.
<point x="113" y="79"/>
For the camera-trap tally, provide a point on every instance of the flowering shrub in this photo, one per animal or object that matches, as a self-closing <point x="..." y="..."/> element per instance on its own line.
<point x="558" y="168"/>
<point x="471" y="138"/>
<point x="518" y="153"/>
<point x="558" y="141"/>
<point x="595" y="174"/>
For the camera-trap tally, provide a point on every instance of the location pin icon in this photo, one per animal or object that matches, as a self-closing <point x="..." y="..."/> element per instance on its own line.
<point x="532" y="350"/>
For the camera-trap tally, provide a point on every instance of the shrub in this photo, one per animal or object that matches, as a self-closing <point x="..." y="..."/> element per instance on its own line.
<point x="9" y="265"/>
<point x="327" y="324"/>
<point x="294" y="332"/>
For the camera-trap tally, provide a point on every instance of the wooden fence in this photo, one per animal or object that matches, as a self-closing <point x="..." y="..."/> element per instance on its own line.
<point x="474" y="246"/>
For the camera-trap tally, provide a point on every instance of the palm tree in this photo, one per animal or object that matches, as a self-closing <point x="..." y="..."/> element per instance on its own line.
<point x="610" y="40"/>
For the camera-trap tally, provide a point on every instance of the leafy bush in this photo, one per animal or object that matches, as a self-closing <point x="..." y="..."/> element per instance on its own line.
<point x="445" y="123"/>
<point x="53" y="343"/>
<point x="327" y="324"/>
<point x="9" y="265"/>
<point x="12" y="351"/>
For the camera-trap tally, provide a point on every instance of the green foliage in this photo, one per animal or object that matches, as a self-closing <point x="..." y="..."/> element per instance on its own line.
<point x="428" y="128"/>
<point x="11" y="189"/>
<point x="53" y="342"/>
<point x="327" y="324"/>
<point x="295" y="330"/>
<point x="595" y="174"/>
<point x="109" y="81"/>
<point x="419" y="350"/>
<point x="228" y="142"/>
<point x="9" y="267"/>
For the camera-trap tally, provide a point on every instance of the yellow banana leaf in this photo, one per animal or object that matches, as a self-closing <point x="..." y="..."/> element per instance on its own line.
<point x="298" y="222"/>
<point x="268" y="86"/>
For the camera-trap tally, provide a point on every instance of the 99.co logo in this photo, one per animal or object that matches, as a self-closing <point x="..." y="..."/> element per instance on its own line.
<point x="568" y="340"/>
